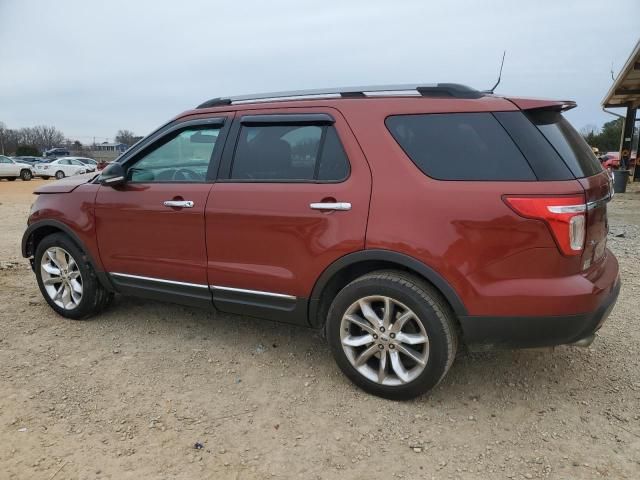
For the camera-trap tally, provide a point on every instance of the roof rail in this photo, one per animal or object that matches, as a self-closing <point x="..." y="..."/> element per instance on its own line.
<point x="450" y="90"/>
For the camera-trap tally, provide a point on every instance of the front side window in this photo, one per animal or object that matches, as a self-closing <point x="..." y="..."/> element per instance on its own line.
<point x="289" y="153"/>
<point x="183" y="157"/>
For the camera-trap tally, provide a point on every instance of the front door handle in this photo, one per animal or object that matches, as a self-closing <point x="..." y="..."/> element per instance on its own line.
<point x="178" y="203"/>
<point x="331" y="206"/>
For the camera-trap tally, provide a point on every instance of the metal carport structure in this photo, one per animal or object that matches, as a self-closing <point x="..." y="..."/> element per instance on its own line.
<point x="625" y="92"/>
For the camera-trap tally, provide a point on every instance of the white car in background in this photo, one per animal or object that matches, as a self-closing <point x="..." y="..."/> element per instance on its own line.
<point x="12" y="169"/>
<point x="62" y="167"/>
<point x="90" y="163"/>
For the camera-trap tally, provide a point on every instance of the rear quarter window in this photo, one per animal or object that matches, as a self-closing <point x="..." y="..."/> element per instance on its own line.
<point x="566" y="141"/>
<point x="460" y="146"/>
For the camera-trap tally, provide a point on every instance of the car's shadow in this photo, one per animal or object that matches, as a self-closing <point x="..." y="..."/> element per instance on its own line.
<point x="507" y="372"/>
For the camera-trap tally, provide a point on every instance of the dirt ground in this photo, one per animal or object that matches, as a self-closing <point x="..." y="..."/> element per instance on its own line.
<point x="129" y="393"/>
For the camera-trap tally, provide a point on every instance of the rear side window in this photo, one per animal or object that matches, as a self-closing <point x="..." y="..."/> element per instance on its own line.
<point x="542" y="157"/>
<point x="460" y="146"/>
<point x="289" y="153"/>
<point x="567" y="142"/>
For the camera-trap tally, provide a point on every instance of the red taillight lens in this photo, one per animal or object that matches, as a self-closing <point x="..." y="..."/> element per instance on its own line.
<point x="565" y="216"/>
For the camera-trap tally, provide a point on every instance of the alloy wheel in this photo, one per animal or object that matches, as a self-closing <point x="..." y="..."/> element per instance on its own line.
<point x="61" y="278"/>
<point x="384" y="340"/>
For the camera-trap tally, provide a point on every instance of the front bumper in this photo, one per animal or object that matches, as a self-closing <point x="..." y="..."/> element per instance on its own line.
<point x="481" y="333"/>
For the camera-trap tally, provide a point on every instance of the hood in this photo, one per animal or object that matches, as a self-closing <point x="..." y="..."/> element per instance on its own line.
<point x="23" y="164"/>
<point x="66" y="185"/>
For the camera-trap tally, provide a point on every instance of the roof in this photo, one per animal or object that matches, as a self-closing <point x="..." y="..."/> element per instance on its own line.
<point x="625" y="90"/>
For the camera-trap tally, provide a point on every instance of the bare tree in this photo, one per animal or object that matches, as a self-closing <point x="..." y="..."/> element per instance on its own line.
<point x="126" y="136"/>
<point x="40" y="138"/>
<point x="47" y="137"/>
<point x="589" y="129"/>
<point x="3" y="133"/>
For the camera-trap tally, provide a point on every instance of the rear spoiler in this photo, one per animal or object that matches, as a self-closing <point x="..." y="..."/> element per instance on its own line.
<point x="535" y="104"/>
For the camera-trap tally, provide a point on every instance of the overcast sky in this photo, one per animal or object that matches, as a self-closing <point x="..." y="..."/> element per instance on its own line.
<point x="91" y="68"/>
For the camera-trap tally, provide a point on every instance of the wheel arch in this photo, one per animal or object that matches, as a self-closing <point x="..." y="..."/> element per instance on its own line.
<point x="353" y="265"/>
<point x="37" y="231"/>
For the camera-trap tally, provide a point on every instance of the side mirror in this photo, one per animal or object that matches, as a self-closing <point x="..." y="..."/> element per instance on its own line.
<point x="113" y="175"/>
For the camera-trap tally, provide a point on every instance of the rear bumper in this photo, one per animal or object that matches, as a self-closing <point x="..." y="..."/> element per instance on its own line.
<point x="483" y="332"/>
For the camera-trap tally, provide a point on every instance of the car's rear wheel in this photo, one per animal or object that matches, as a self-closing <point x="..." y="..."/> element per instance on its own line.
<point x="26" y="175"/>
<point x="59" y="174"/>
<point x="11" y="179"/>
<point x="45" y="177"/>
<point x="392" y="334"/>
<point x="67" y="280"/>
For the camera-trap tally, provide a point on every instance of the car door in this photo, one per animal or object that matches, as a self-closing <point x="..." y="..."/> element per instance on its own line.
<point x="78" y="166"/>
<point x="150" y="231"/>
<point x="61" y="165"/>
<point x="292" y="197"/>
<point x="6" y="167"/>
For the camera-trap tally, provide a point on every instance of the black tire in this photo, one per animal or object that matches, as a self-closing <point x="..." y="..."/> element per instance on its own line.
<point x="59" y="174"/>
<point x="11" y="179"/>
<point x="45" y="178"/>
<point x="94" y="297"/>
<point x="26" y="175"/>
<point x="431" y="310"/>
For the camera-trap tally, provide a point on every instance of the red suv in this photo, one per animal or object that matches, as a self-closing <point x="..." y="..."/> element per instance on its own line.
<point x="401" y="220"/>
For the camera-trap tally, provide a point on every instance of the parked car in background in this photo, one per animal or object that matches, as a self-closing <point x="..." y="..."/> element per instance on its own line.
<point x="610" y="160"/>
<point x="12" y="169"/>
<point x="57" y="152"/>
<point x="29" y="160"/>
<point x="400" y="225"/>
<point x="102" y="164"/>
<point x="61" y="167"/>
<point x="90" y="163"/>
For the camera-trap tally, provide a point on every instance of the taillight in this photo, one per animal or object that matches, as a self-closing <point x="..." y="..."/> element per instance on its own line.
<point x="565" y="217"/>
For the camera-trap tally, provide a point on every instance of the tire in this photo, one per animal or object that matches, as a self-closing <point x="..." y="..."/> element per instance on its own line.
<point x="427" y="314"/>
<point x="45" y="178"/>
<point x="26" y="175"/>
<point x="59" y="174"/>
<point x="92" y="298"/>
<point x="11" y="179"/>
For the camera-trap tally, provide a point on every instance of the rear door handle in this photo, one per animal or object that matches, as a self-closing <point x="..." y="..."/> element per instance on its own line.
<point x="178" y="203"/>
<point x="331" y="206"/>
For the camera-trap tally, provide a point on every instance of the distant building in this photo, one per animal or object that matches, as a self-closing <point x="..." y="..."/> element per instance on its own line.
<point x="110" y="147"/>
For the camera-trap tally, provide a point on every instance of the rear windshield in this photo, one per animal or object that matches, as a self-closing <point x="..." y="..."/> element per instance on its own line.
<point x="567" y="142"/>
<point x="460" y="146"/>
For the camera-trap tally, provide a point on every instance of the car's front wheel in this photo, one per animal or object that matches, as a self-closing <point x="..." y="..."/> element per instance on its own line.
<point x="59" y="174"/>
<point x="67" y="280"/>
<point x="26" y="175"/>
<point x="392" y="334"/>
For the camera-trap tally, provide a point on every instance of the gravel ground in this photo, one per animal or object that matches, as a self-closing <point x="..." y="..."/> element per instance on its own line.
<point x="129" y="394"/>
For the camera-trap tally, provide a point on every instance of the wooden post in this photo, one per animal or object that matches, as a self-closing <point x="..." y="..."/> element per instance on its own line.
<point x="627" y="136"/>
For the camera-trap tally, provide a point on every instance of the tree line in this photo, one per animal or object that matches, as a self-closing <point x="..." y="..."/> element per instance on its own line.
<point x="33" y="141"/>
<point x="607" y="138"/>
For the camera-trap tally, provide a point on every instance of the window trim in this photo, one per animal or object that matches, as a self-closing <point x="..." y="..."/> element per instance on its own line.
<point x="319" y="119"/>
<point x="173" y="129"/>
<point x="275" y="119"/>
